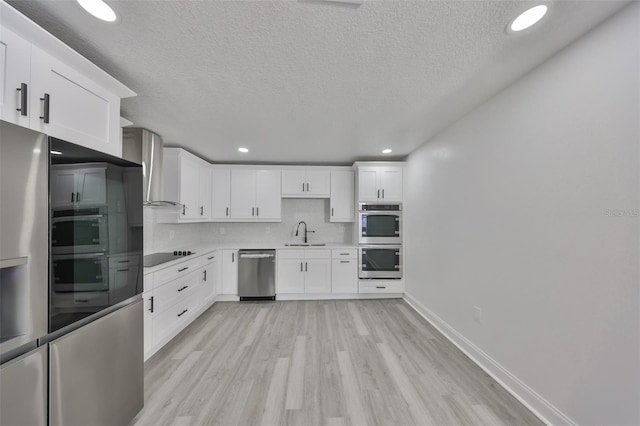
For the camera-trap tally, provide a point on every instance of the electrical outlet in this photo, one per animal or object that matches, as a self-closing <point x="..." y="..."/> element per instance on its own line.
<point x="171" y="235"/>
<point x="341" y="230"/>
<point x="221" y="230"/>
<point x="267" y="230"/>
<point x="477" y="314"/>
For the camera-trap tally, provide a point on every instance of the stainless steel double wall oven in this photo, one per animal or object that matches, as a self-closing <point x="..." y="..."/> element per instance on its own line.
<point x="380" y="240"/>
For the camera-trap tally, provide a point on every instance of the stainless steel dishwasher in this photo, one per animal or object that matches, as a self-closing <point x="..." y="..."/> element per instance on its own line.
<point x="257" y="274"/>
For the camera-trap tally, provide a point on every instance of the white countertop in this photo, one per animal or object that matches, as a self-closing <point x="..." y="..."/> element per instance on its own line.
<point x="203" y="249"/>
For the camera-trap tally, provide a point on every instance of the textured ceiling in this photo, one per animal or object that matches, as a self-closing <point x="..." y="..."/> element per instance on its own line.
<point x="310" y="81"/>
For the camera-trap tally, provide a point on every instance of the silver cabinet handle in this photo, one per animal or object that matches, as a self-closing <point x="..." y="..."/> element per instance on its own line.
<point x="183" y="209"/>
<point x="307" y="187"/>
<point x="300" y="266"/>
<point x="345" y="261"/>
<point x="253" y="211"/>
<point x="183" y="269"/>
<point x="380" y="286"/>
<point x="331" y="211"/>
<point x="183" y="288"/>
<point x="77" y="197"/>
<point x="233" y="257"/>
<point x="257" y="211"/>
<point x="383" y="194"/>
<point x="183" y="312"/>
<point x="227" y="211"/>
<point x="201" y="210"/>
<point x="124" y="261"/>
<point x="212" y="257"/>
<point x="122" y="270"/>
<point x="151" y="307"/>
<point x="302" y="186"/>
<point x="72" y="195"/>
<point x="23" y="99"/>
<point x="378" y="194"/>
<point x="306" y="269"/>
<point x="45" y="112"/>
<point x="205" y="275"/>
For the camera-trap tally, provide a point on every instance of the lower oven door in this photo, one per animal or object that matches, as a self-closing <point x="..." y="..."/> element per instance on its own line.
<point x="80" y="272"/>
<point x="380" y="262"/>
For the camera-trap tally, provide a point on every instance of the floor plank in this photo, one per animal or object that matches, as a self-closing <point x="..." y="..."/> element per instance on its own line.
<point x="351" y="363"/>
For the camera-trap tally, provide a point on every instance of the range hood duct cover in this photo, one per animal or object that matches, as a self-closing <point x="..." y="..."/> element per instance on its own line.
<point x="145" y="147"/>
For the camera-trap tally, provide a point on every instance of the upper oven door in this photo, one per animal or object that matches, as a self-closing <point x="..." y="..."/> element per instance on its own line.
<point x="380" y="262"/>
<point x="380" y="228"/>
<point x="79" y="234"/>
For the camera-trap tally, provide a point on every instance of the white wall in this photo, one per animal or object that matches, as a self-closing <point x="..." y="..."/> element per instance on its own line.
<point x="528" y="208"/>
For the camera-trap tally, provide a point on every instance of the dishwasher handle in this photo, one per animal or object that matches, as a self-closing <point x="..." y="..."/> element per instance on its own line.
<point x="256" y="256"/>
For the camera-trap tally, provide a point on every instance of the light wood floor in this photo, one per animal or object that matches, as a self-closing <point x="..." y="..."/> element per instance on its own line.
<point x="364" y="362"/>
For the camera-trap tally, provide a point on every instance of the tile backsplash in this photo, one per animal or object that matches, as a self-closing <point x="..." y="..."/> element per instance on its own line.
<point x="315" y="212"/>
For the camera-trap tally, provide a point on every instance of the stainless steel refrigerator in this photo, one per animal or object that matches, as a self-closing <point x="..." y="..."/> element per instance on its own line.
<point x="71" y="333"/>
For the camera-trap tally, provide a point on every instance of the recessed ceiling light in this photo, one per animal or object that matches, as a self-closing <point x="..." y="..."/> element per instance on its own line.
<point x="55" y="152"/>
<point x="243" y="150"/>
<point x="387" y="151"/>
<point x="528" y="18"/>
<point x="99" y="9"/>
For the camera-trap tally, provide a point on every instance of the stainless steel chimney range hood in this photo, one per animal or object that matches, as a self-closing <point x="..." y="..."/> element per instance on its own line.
<point x="145" y="147"/>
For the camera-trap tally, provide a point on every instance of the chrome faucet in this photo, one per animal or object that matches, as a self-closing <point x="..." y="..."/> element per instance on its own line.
<point x="305" y="230"/>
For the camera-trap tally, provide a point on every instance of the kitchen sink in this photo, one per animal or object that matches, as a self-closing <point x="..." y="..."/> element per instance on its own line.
<point x="305" y="244"/>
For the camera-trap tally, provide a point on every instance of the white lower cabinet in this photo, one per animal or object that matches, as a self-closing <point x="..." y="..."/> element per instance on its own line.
<point x="175" y="296"/>
<point x="229" y="276"/>
<point x="304" y="271"/>
<point x="344" y="271"/>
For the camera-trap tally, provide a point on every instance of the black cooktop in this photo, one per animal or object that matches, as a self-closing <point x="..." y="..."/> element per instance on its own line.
<point x="158" y="258"/>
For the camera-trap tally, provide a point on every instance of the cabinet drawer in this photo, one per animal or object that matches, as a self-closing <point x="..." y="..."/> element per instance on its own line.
<point x="76" y="300"/>
<point x="167" y="274"/>
<point x="291" y="254"/>
<point x="169" y="294"/>
<point x="208" y="258"/>
<point x="126" y="260"/>
<point x="380" y="286"/>
<point x="176" y="316"/>
<point x="317" y="253"/>
<point x="346" y="253"/>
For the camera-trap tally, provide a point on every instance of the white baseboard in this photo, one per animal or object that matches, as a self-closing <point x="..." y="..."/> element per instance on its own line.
<point x="336" y="296"/>
<point x="227" y="298"/>
<point x="523" y="393"/>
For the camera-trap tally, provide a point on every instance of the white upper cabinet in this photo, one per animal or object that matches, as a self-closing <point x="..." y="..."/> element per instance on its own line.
<point x="66" y="104"/>
<point x="15" y="78"/>
<point x="342" y="208"/>
<point x="306" y="183"/>
<point x="49" y="88"/>
<point x="78" y="186"/>
<point x="380" y="183"/>
<point x="255" y="195"/>
<point x="220" y="194"/>
<point x="186" y="180"/>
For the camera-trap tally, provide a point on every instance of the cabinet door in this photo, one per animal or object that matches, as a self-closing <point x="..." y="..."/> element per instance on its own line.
<point x="209" y="284"/>
<point x="64" y="190"/>
<point x="268" y="195"/>
<point x="368" y="189"/>
<point x="91" y="186"/>
<point x="318" y="183"/>
<point x="15" y="71"/>
<point x="189" y="191"/>
<point x="344" y="276"/>
<point x="342" y="196"/>
<point x="293" y="183"/>
<point x="391" y="183"/>
<point x="230" y="272"/>
<point x="243" y="194"/>
<point x="147" y="299"/>
<point x="204" y="196"/>
<point x="220" y="194"/>
<point x="120" y="283"/>
<point x="79" y="110"/>
<point x="290" y="276"/>
<point x="317" y="277"/>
